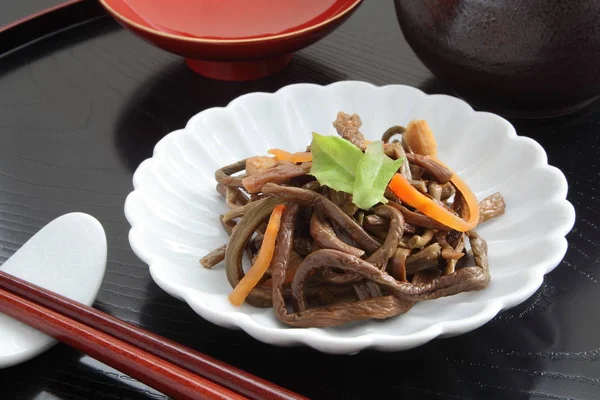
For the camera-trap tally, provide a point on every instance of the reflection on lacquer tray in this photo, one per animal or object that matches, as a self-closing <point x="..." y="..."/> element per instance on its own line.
<point x="166" y="101"/>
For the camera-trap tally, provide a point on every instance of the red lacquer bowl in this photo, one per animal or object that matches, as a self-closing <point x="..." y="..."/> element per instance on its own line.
<point x="232" y="40"/>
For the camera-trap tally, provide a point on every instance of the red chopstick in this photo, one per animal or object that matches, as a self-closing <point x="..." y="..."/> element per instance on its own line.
<point x="94" y="332"/>
<point x="155" y="372"/>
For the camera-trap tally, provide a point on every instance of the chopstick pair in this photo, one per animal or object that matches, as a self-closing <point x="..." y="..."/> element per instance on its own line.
<point x="165" y="365"/>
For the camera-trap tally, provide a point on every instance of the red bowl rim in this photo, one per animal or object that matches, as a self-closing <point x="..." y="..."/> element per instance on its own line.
<point x="146" y="29"/>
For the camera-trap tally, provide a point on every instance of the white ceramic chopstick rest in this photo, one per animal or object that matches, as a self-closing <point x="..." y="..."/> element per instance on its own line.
<point x="67" y="256"/>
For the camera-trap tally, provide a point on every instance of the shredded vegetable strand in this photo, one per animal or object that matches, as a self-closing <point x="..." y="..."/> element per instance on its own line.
<point x="408" y="226"/>
<point x="282" y="155"/>
<point x="408" y="194"/>
<point x="265" y="255"/>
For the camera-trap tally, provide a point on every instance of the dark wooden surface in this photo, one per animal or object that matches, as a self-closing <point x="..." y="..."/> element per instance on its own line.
<point x="81" y="109"/>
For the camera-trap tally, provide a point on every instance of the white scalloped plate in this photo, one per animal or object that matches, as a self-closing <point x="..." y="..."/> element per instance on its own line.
<point x="174" y="208"/>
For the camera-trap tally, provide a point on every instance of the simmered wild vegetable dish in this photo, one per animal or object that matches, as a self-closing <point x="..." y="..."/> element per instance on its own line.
<point x="350" y="229"/>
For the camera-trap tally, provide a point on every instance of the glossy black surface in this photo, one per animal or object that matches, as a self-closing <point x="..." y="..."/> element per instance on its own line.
<point x="81" y="109"/>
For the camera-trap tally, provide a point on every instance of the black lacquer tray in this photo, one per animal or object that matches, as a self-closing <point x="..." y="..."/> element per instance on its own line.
<point x="82" y="103"/>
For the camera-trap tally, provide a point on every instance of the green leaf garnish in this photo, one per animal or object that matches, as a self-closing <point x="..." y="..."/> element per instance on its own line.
<point x="373" y="174"/>
<point x="334" y="162"/>
<point x="342" y="166"/>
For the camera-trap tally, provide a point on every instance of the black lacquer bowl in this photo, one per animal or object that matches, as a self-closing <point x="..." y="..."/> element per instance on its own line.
<point x="526" y="58"/>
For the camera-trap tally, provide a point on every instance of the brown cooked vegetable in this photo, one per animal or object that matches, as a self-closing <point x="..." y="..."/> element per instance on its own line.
<point x="396" y="229"/>
<point x="419" y="241"/>
<point x="320" y="203"/>
<point x="214" y="257"/>
<point x="259" y="164"/>
<point x="418" y="219"/>
<point x="395" y="151"/>
<point x="440" y="173"/>
<point x="277" y="174"/>
<point x="335" y="263"/>
<point x="391" y="132"/>
<point x="424" y="259"/>
<point x="324" y="235"/>
<point x="397" y="266"/>
<point x="491" y="207"/>
<point x="223" y="175"/>
<point x="347" y="126"/>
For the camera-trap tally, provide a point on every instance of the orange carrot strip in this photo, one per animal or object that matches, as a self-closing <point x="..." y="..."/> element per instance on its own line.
<point x="265" y="255"/>
<point x="282" y="155"/>
<point x="467" y="193"/>
<point x="470" y="199"/>
<point x="408" y="194"/>
<point x="419" y="133"/>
